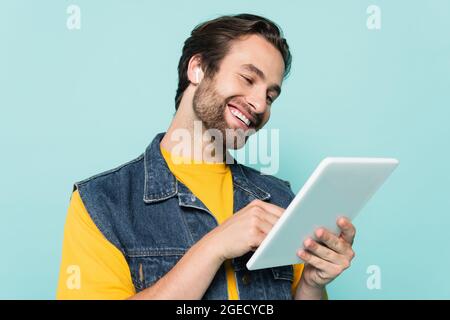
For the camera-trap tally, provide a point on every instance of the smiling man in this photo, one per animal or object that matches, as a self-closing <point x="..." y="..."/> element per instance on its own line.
<point x="180" y="222"/>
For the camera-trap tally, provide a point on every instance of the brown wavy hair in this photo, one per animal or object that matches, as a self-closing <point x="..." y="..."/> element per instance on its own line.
<point x="212" y="39"/>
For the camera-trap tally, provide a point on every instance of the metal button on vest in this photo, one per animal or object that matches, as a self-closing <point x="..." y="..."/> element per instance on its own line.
<point x="192" y="198"/>
<point x="246" y="279"/>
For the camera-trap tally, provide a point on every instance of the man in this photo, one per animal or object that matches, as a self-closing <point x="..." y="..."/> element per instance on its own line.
<point x="180" y="222"/>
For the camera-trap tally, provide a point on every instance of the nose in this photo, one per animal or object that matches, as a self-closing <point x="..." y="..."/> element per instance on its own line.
<point x="258" y="102"/>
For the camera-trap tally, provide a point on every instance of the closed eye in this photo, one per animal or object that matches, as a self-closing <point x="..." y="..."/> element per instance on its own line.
<point x="249" y="81"/>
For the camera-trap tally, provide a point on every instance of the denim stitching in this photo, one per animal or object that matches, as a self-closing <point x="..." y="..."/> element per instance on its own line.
<point x="109" y="171"/>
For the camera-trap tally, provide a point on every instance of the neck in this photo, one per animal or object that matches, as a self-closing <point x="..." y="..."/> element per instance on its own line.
<point x="187" y="137"/>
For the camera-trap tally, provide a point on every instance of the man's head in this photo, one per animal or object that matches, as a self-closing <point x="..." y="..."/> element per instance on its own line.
<point x="237" y="65"/>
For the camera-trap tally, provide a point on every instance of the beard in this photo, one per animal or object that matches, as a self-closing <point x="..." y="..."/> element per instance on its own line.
<point x="210" y="107"/>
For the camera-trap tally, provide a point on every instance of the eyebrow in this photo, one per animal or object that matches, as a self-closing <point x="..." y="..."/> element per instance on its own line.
<point x="252" y="68"/>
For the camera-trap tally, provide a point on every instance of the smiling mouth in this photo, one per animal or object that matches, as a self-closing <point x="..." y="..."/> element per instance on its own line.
<point x="241" y="117"/>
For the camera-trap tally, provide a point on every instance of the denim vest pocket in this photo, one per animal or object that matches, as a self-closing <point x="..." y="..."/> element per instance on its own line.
<point x="279" y="273"/>
<point x="284" y="273"/>
<point x="284" y="278"/>
<point x="271" y="283"/>
<point x="147" y="266"/>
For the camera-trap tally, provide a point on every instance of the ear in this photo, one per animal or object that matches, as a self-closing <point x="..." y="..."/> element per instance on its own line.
<point x="194" y="71"/>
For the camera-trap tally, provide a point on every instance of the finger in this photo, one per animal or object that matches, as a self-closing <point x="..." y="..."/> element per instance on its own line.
<point x="348" y="229"/>
<point x="329" y="268"/>
<point x="258" y="240"/>
<point x="264" y="215"/>
<point x="269" y="207"/>
<point x="332" y="241"/>
<point x="264" y="226"/>
<point x="324" y="252"/>
<point x="270" y="218"/>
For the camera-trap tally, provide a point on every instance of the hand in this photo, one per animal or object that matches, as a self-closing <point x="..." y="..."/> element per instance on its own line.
<point x="245" y="230"/>
<point x="326" y="260"/>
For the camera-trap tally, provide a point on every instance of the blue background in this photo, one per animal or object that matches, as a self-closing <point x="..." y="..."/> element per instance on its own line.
<point x="75" y="103"/>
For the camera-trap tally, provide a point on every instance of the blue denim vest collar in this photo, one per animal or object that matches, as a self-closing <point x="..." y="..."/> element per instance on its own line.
<point x="161" y="184"/>
<point x="153" y="219"/>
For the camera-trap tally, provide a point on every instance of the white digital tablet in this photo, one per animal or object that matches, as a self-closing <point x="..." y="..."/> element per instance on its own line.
<point x="338" y="187"/>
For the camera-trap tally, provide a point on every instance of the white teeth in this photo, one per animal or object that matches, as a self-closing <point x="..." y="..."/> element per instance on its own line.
<point x="240" y="116"/>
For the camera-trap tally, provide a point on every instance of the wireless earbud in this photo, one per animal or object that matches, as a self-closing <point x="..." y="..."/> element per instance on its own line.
<point x="197" y="77"/>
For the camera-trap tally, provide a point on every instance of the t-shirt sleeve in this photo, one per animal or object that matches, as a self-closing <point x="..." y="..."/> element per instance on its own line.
<point x="91" y="266"/>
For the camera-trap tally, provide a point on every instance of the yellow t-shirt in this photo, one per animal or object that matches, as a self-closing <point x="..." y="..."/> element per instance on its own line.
<point x="93" y="268"/>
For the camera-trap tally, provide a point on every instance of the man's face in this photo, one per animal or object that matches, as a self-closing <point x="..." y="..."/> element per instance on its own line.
<point x="240" y="94"/>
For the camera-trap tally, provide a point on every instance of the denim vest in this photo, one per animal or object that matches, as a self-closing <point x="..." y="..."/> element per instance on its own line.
<point x="153" y="219"/>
